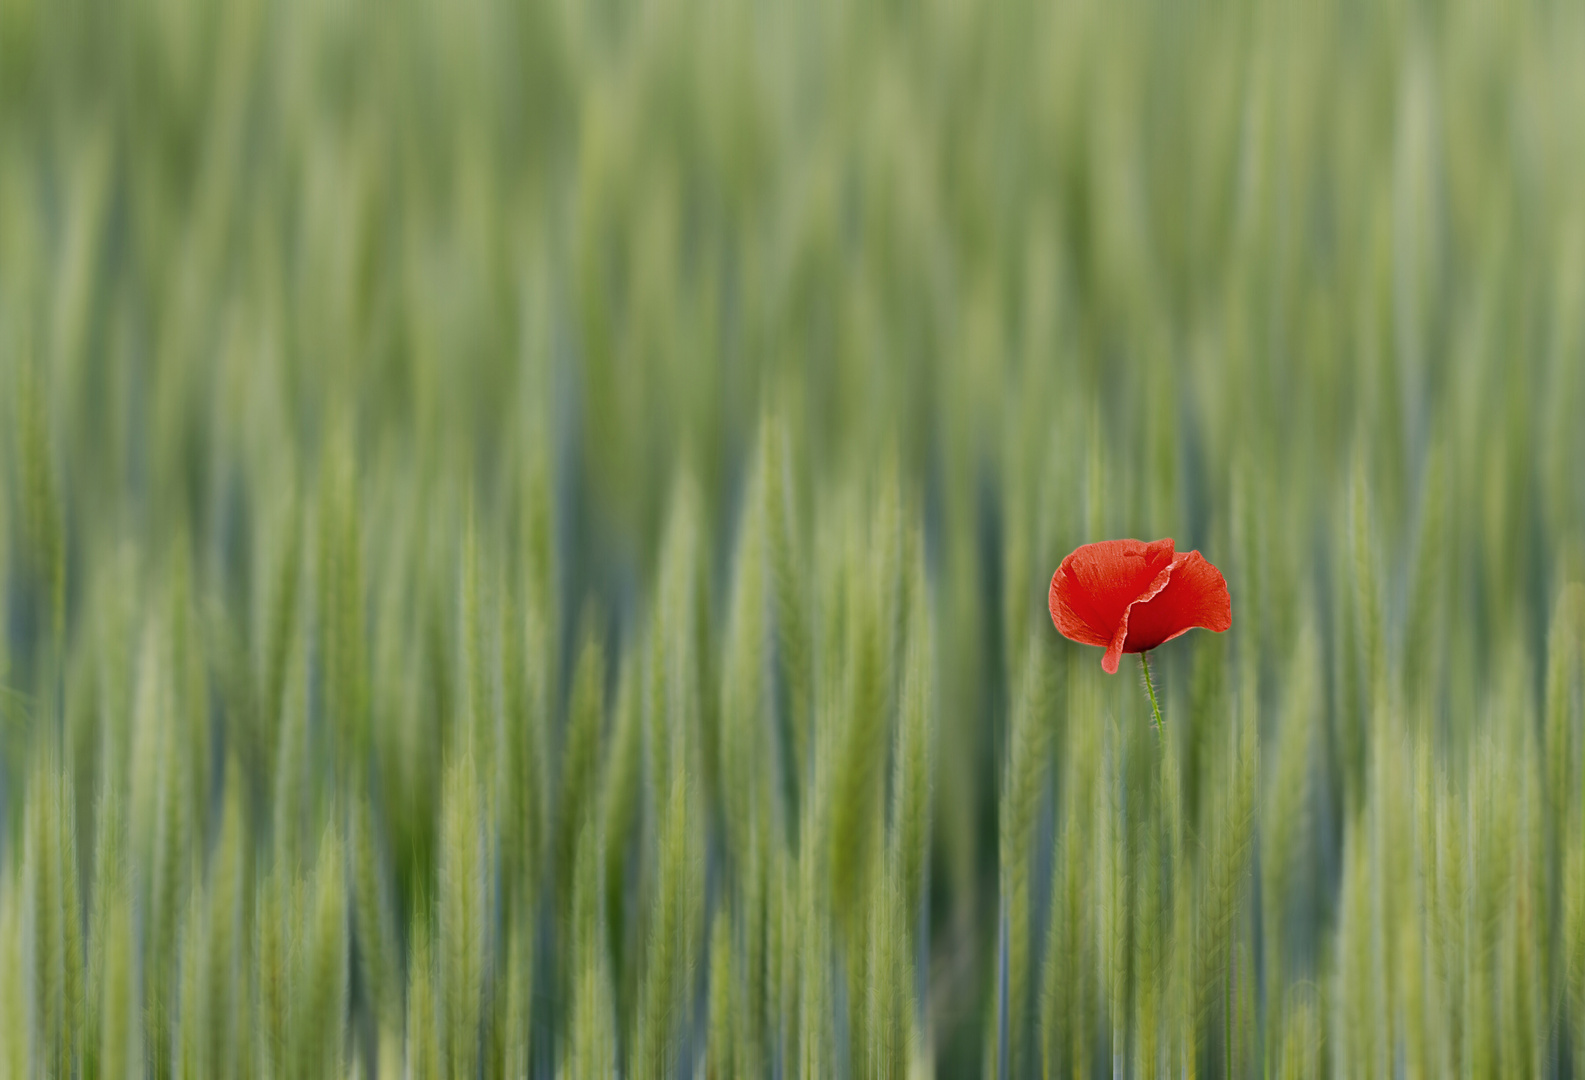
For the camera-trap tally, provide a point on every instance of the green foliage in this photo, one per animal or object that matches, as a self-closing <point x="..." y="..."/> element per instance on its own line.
<point x="524" y="533"/>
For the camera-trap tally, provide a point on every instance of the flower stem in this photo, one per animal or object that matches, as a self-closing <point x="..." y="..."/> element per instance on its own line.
<point x="1144" y="662"/>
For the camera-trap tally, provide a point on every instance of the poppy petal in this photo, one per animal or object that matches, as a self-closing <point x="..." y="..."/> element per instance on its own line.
<point x="1194" y="595"/>
<point x="1093" y="588"/>
<point x="1116" y="647"/>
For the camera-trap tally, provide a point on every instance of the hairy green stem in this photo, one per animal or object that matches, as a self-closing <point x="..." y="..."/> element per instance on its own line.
<point x="1150" y="687"/>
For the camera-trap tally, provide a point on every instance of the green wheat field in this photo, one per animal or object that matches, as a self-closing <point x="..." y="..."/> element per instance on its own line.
<point x="525" y="530"/>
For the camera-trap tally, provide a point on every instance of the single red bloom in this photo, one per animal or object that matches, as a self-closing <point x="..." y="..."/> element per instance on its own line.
<point x="1129" y="596"/>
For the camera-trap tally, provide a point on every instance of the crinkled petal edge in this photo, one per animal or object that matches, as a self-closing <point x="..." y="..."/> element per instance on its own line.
<point x="1114" y="649"/>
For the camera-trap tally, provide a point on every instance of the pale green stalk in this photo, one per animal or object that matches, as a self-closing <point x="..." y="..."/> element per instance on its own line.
<point x="579" y="777"/>
<point x="781" y="1001"/>
<point x="1149" y="946"/>
<point x="788" y="583"/>
<point x="341" y="629"/>
<point x="194" y="1013"/>
<point x="1115" y="895"/>
<point x="1222" y="881"/>
<point x="1062" y="989"/>
<point x="290" y="793"/>
<point x="1301" y="1037"/>
<point x="513" y="1018"/>
<point x="914" y="760"/>
<point x="724" y="995"/>
<point x="73" y="992"/>
<point x="318" y="1005"/>
<point x="272" y="976"/>
<point x="1565" y="681"/>
<point x="815" y="1051"/>
<point x="40" y="499"/>
<point x="530" y="664"/>
<point x="461" y="938"/>
<point x="41" y="871"/>
<point x="1367" y="607"/>
<point x="750" y="1019"/>
<point x="376" y="946"/>
<point x="109" y="874"/>
<point x="1285" y="824"/>
<point x="671" y="951"/>
<point x="479" y="735"/>
<point x="1426" y="627"/>
<point x="223" y="954"/>
<point x="118" y="1053"/>
<point x="1069" y="992"/>
<point x="744" y="720"/>
<point x="525" y="677"/>
<point x="1023" y="788"/>
<point x="15" y="983"/>
<point x="872" y="565"/>
<point x="1574" y="936"/>
<point x="591" y="1045"/>
<point x="620" y="799"/>
<point x="278" y="637"/>
<point x="423" y="1043"/>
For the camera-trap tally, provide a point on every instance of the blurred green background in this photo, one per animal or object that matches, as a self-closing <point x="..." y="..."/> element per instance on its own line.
<point x="524" y="532"/>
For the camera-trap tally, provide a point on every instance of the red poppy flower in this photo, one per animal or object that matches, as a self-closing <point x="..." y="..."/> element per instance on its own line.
<point x="1128" y="596"/>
